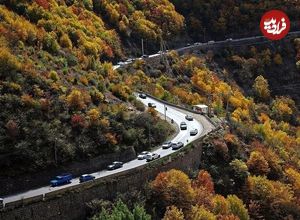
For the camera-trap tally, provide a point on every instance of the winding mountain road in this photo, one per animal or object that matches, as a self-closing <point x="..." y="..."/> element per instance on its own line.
<point x="183" y="136"/>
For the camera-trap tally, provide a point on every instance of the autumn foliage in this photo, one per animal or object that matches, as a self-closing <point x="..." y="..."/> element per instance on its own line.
<point x="196" y="199"/>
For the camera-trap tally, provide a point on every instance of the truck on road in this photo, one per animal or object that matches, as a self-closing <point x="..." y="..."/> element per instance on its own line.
<point x="61" y="179"/>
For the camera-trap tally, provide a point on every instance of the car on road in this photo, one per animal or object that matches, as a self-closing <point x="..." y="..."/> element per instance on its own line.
<point x="61" y="179"/>
<point x="177" y="146"/>
<point x="143" y="155"/>
<point x="151" y="105"/>
<point x="167" y="145"/>
<point x="145" y="56"/>
<point x="211" y="42"/>
<point x="86" y="177"/>
<point x="130" y="60"/>
<point x="229" y="39"/>
<point x="120" y="63"/>
<point x="151" y="157"/>
<point x="183" y="126"/>
<point x="131" y="109"/>
<point x="189" y="118"/>
<point x="143" y="96"/>
<point x="194" y="132"/>
<point x="197" y="43"/>
<point x="188" y="44"/>
<point x="115" y="165"/>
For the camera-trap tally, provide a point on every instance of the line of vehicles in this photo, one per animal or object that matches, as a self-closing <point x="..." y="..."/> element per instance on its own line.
<point x="183" y="125"/>
<point x="209" y="42"/>
<point x="66" y="178"/>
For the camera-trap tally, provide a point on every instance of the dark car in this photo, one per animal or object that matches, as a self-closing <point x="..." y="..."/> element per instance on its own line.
<point x="183" y="126"/>
<point x="151" y="157"/>
<point x="86" y="177"/>
<point x="115" y="165"/>
<point x="62" y="179"/>
<point x="177" y="146"/>
<point x="151" y="105"/>
<point x="145" y="56"/>
<point x="189" y="118"/>
<point x="143" y="96"/>
<point x="167" y="145"/>
<point x="194" y="132"/>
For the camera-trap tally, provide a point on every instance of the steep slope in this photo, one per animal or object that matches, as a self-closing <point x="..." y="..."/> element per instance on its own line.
<point x="220" y="19"/>
<point x="60" y="101"/>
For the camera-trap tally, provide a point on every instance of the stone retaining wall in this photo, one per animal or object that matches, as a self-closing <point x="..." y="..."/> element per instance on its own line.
<point x="70" y="203"/>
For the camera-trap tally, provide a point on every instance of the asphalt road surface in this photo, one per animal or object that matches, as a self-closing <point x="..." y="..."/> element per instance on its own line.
<point x="199" y="45"/>
<point x="183" y="136"/>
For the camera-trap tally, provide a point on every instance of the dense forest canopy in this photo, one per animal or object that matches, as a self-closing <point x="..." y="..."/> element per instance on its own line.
<point x="62" y="101"/>
<point x="216" y="19"/>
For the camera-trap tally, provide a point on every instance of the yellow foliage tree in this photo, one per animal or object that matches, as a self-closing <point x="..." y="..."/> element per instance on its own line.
<point x="76" y="100"/>
<point x="93" y="116"/>
<point x="294" y="178"/>
<point x="261" y="88"/>
<point x="65" y="41"/>
<point x="8" y="62"/>
<point x="173" y="213"/>
<point x="200" y="213"/>
<point x="257" y="164"/>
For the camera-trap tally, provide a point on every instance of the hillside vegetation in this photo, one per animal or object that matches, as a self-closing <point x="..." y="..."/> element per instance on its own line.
<point x="260" y="146"/>
<point x="215" y="19"/>
<point x="60" y="100"/>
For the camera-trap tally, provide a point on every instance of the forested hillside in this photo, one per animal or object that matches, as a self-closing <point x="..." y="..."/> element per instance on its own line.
<point x="255" y="158"/>
<point x="60" y="100"/>
<point x="215" y="19"/>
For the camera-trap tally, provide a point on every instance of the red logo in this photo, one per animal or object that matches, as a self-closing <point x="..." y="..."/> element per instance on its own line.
<point x="275" y="25"/>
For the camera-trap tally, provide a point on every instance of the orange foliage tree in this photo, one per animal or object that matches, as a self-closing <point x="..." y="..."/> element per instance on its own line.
<point x="173" y="188"/>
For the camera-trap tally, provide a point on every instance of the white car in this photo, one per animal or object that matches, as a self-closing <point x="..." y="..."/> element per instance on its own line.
<point x="183" y="126"/>
<point x="166" y="145"/>
<point x="151" y="157"/>
<point x="143" y="155"/>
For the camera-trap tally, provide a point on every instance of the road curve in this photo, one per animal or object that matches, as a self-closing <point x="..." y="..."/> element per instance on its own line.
<point x="183" y="136"/>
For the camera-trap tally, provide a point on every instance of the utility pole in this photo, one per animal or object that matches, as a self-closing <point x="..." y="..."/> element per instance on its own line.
<point x="164" y="57"/>
<point x="227" y="105"/>
<point x="142" y="46"/>
<point x="55" y="151"/>
<point x="161" y="49"/>
<point x="209" y="104"/>
<point x="149" y="134"/>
